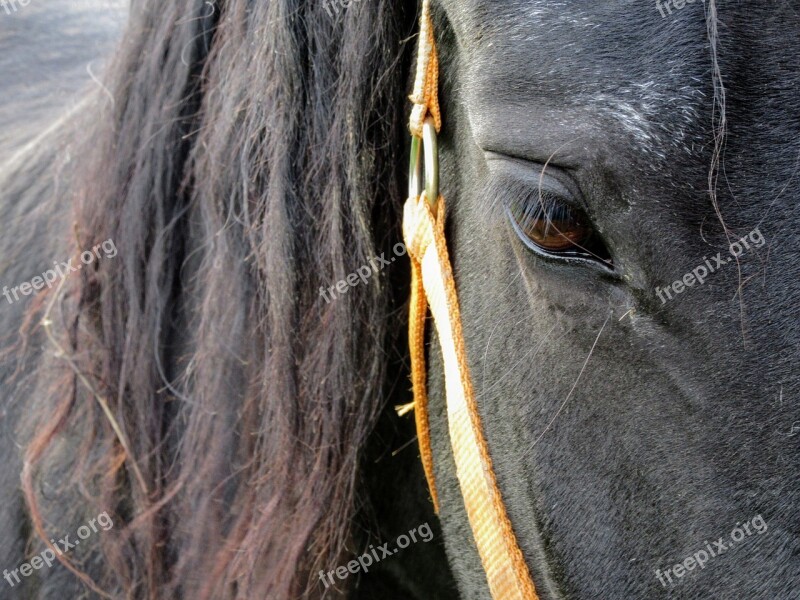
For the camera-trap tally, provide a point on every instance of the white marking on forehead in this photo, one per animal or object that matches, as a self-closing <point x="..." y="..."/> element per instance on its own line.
<point x="654" y="119"/>
<point x="632" y="119"/>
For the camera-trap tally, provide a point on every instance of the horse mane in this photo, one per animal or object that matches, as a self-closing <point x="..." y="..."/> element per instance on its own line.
<point x="202" y="391"/>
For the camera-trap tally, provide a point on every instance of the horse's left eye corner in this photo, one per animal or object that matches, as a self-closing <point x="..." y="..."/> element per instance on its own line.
<point x="555" y="229"/>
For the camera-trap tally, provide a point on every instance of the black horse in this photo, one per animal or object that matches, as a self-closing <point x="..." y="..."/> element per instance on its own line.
<point x="620" y="179"/>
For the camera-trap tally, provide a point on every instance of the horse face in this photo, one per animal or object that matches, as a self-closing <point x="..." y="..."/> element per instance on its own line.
<point x="638" y="399"/>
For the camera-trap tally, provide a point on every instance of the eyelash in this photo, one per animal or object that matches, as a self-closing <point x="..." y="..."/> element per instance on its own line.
<point x="547" y="223"/>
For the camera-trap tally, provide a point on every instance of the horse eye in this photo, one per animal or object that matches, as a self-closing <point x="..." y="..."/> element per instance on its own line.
<point x="550" y="226"/>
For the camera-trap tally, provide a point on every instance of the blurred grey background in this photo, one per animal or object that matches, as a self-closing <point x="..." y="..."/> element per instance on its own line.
<point x="47" y="51"/>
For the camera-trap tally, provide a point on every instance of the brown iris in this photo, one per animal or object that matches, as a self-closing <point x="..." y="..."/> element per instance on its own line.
<point x="550" y="223"/>
<point x="560" y="234"/>
<point x="551" y="226"/>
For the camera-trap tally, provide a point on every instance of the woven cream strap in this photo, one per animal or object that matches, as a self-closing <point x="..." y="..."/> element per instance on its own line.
<point x="506" y="571"/>
<point x="432" y="284"/>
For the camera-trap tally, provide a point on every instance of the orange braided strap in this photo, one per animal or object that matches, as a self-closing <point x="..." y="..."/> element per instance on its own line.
<point x="426" y="83"/>
<point x="506" y="571"/>
<point x="418" y="311"/>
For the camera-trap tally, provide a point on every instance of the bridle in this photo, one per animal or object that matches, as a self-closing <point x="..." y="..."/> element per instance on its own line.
<point x="433" y="286"/>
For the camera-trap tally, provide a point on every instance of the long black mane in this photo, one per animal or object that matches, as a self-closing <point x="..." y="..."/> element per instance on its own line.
<point x="198" y="386"/>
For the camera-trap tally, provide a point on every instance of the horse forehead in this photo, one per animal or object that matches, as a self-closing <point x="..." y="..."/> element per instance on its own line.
<point x="606" y="28"/>
<point x="588" y="47"/>
<point x="558" y="56"/>
<point x="620" y="58"/>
